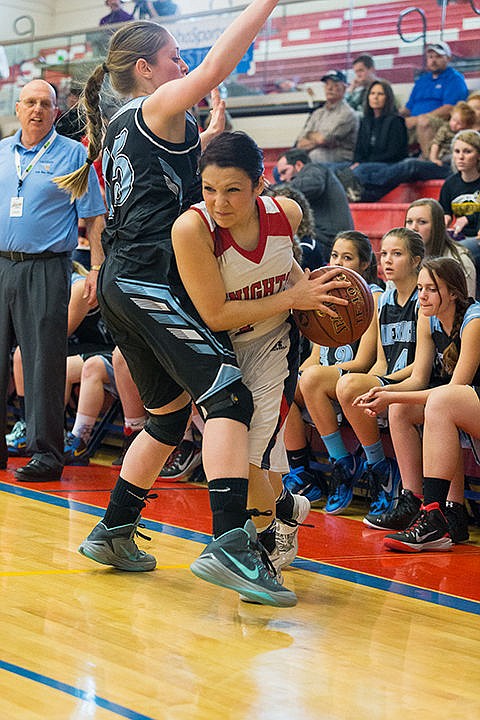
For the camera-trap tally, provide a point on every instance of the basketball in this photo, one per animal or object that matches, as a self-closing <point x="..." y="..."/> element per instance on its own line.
<point x="352" y="320"/>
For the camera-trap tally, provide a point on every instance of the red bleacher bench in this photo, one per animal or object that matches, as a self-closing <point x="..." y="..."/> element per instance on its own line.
<point x="408" y="192"/>
<point x="374" y="219"/>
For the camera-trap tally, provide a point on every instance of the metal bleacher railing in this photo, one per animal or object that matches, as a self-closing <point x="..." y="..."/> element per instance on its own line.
<point x="280" y="75"/>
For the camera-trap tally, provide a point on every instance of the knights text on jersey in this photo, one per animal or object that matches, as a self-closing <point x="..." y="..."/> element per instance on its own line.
<point x="257" y="273"/>
<point x="146" y="178"/>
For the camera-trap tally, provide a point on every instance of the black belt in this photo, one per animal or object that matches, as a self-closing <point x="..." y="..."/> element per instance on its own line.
<point x="21" y="256"/>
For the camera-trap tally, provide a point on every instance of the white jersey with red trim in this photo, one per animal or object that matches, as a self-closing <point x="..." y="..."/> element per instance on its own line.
<point x="251" y="274"/>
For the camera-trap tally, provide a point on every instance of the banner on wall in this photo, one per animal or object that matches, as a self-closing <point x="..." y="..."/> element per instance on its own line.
<point x="195" y="38"/>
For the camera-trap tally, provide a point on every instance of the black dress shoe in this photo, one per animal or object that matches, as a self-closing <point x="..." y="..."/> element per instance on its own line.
<point x="38" y="471"/>
<point x="3" y="456"/>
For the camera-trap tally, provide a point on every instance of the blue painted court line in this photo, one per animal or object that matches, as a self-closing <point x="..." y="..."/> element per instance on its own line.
<point x="83" y="695"/>
<point x="315" y="566"/>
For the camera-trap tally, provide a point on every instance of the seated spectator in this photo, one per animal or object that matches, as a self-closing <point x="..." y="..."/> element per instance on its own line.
<point x="474" y="101"/>
<point x="460" y="193"/>
<point x="382" y="136"/>
<point x="320" y="373"/>
<point x="72" y="122"/>
<point x="425" y="216"/>
<point x="369" y="182"/>
<point x="364" y="75"/>
<point x="448" y="337"/>
<point x="323" y="191"/>
<point x="462" y="118"/>
<point x="134" y="416"/>
<point x="330" y="132"/>
<point x="309" y="253"/>
<point x="433" y="96"/>
<point x="402" y="251"/>
<point x="450" y="411"/>
<point x="96" y="378"/>
<point x="187" y="456"/>
<point x="116" y="14"/>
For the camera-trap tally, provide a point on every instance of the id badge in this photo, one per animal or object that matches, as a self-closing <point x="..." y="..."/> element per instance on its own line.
<point x="16" y="207"/>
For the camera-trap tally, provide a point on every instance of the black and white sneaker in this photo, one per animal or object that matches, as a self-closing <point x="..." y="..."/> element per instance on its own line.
<point x="429" y="531"/>
<point x="184" y="459"/>
<point x="457" y="520"/>
<point x="401" y="517"/>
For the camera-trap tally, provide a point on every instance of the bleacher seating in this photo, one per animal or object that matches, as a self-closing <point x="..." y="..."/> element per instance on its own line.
<point x="375" y="219"/>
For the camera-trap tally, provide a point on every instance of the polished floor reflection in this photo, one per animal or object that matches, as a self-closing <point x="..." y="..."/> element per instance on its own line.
<point x="374" y="635"/>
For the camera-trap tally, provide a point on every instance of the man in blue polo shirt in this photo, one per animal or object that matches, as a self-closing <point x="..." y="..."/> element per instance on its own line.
<point x="38" y="232"/>
<point x="433" y="96"/>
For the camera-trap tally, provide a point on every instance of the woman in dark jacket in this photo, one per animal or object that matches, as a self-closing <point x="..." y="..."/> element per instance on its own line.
<point x="382" y="136"/>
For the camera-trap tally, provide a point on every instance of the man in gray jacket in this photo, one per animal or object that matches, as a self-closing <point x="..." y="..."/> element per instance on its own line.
<point x="323" y="191"/>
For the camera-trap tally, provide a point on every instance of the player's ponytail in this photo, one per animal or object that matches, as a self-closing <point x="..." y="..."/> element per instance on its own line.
<point x="76" y="182"/>
<point x="134" y="40"/>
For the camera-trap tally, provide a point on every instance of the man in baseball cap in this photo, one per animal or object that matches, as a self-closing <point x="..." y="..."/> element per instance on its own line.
<point x="335" y="75"/>
<point x="440" y="47"/>
<point x="433" y="96"/>
<point x="330" y="132"/>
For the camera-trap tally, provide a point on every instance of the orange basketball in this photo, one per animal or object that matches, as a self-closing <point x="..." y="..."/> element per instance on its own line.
<point x="352" y="320"/>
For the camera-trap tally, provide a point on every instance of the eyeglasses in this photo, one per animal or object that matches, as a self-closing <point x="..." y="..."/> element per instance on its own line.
<point x="44" y="104"/>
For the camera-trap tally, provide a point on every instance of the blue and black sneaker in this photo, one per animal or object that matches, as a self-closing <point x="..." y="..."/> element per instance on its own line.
<point x="297" y="479"/>
<point x="345" y="473"/>
<point x="385" y="484"/>
<point x="17" y="439"/>
<point x="75" y="451"/>
<point x="236" y="560"/>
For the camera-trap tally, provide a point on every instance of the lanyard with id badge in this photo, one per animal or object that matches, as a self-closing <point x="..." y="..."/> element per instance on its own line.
<point x="16" y="203"/>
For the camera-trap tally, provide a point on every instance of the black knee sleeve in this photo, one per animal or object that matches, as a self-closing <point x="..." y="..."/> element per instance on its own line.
<point x="169" y="428"/>
<point x="234" y="402"/>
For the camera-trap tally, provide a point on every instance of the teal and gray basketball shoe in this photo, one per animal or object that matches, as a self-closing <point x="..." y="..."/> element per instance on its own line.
<point x="235" y="560"/>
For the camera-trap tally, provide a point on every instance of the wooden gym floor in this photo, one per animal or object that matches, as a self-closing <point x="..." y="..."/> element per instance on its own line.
<point x="375" y="635"/>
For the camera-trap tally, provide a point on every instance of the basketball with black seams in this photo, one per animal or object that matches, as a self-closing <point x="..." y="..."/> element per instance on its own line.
<point x="351" y="321"/>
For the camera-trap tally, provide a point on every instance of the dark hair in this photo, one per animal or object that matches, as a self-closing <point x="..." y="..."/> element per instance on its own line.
<point x="453" y="275"/>
<point x="440" y="240"/>
<point x="295" y="155"/>
<point x="389" y="108"/>
<point x="367" y="60"/>
<point x="134" y="40"/>
<point x="307" y="224"/>
<point x="234" y="149"/>
<point x="412" y="239"/>
<point x="365" y="252"/>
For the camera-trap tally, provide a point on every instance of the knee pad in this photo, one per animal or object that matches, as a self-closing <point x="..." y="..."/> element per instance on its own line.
<point x="234" y="402"/>
<point x="169" y="428"/>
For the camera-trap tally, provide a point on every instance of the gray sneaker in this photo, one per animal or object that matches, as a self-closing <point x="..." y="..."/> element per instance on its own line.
<point x="234" y="561"/>
<point x="116" y="546"/>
